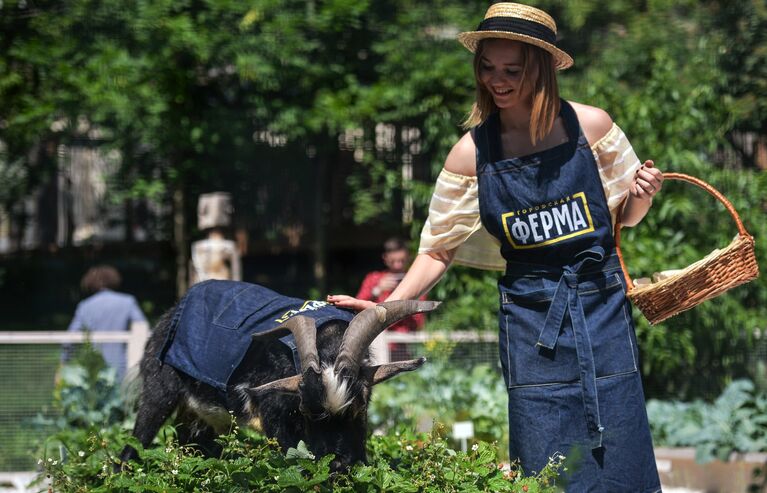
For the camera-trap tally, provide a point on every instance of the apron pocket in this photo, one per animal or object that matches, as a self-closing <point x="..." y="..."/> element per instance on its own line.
<point x="525" y="363"/>
<point x="608" y="317"/>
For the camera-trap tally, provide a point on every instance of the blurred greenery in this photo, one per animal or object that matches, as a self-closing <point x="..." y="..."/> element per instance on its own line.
<point x="445" y="391"/>
<point x="174" y="85"/>
<point x="735" y="422"/>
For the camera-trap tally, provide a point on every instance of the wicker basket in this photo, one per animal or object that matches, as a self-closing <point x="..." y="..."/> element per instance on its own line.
<point x="705" y="279"/>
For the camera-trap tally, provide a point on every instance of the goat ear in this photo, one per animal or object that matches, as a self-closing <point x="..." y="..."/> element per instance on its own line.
<point x="377" y="374"/>
<point x="287" y="385"/>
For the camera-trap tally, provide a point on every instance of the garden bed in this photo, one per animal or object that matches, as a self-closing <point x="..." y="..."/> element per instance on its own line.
<point x="742" y="473"/>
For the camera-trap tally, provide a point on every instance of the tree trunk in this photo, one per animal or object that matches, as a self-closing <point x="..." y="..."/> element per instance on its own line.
<point x="180" y="242"/>
<point x="48" y="195"/>
<point x="319" y="160"/>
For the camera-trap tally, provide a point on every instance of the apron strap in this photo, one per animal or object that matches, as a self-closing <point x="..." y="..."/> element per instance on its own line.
<point x="481" y="135"/>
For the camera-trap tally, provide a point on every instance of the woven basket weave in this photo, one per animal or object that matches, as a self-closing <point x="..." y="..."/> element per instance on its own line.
<point x="703" y="280"/>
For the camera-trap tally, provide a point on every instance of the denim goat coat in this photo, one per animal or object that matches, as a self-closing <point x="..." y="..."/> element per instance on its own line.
<point x="567" y="343"/>
<point x="213" y="326"/>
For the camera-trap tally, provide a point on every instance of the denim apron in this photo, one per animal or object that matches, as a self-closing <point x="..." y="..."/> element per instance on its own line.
<point x="567" y="344"/>
<point x="213" y="326"/>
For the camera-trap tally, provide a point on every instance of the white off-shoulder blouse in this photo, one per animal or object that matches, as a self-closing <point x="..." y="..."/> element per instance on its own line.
<point x="454" y="222"/>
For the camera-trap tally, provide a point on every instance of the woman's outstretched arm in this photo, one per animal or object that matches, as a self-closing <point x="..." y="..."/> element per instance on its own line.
<point x="428" y="268"/>
<point x="424" y="273"/>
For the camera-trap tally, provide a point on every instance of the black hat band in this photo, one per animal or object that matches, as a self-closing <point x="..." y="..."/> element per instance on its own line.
<point x="519" y="26"/>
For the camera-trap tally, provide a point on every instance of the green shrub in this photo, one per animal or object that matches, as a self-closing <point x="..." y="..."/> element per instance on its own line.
<point x="735" y="422"/>
<point x="80" y="454"/>
<point x="402" y="462"/>
<point x="86" y="398"/>
<point x="442" y="392"/>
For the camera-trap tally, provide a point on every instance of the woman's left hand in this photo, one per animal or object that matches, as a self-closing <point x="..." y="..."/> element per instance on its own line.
<point x="648" y="181"/>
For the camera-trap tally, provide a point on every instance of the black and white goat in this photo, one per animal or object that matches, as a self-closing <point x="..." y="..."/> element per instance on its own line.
<point x="325" y="405"/>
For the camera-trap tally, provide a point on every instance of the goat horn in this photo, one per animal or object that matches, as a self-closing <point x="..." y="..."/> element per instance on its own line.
<point x="366" y="326"/>
<point x="285" y="385"/>
<point x="381" y="373"/>
<point x="305" y="331"/>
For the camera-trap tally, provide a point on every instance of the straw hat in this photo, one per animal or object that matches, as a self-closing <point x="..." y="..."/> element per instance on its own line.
<point x="520" y="23"/>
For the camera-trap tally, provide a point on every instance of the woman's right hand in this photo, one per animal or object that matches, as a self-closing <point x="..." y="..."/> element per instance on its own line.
<point x="346" y="301"/>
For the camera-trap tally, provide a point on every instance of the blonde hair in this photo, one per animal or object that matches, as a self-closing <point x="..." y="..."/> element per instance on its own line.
<point x="545" y="107"/>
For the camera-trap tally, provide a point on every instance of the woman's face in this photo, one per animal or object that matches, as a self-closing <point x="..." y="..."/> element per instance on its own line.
<point x="500" y="71"/>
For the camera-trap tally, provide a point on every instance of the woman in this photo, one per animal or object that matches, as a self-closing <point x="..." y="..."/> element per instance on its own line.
<point x="546" y="178"/>
<point x="105" y="309"/>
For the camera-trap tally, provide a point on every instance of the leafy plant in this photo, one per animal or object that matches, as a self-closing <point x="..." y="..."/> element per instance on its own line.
<point x="440" y="392"/>
<point x="401" y="462"/>
<point x="87" y="394"/>
<point x="80" y="455"/>
<point x="735" y="422"/>
<point x="86" y="401"/>
<point x="470" y="300"/>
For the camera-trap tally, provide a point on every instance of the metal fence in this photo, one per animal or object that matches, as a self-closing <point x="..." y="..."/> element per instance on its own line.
<point x="29" y="362"/>
<point x="466" y="348"/>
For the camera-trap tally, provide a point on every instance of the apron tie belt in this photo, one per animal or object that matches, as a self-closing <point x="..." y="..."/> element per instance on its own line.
<point x="566" y="299"/>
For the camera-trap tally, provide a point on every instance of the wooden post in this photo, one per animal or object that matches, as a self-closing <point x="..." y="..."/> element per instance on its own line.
<point x="320" y="239"/>
<point x="135" y="351"/>
<point x="379" y="349"/>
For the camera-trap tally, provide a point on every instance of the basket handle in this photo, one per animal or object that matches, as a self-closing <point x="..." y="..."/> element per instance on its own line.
<point x="681" y="177"/>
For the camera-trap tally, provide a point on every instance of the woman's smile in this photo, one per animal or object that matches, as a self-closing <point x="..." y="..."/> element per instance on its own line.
<point x="503" y="95"/>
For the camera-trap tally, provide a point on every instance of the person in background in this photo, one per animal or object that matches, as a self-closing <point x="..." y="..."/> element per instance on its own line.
<point x="378" y="285"/>
<point x="106" y="310"/>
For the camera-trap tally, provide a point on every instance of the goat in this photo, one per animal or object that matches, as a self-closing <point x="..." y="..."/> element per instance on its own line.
<point x="319" y="396"/>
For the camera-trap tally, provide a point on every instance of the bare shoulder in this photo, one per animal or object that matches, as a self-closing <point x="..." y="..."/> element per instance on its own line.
<point x="462" y="158"/>
<point x="594" y="121"/>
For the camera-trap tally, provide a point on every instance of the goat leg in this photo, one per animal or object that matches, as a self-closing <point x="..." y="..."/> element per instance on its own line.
<point x="197" y="434"/>
<point x="160" y="393"/>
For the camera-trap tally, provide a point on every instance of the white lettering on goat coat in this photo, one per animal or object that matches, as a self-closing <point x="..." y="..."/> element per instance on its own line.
<point x="308" y="306"/>
<point x="548" y="223"/>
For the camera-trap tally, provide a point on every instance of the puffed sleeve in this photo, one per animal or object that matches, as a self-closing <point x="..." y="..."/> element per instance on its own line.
<point x="454" y="222"/>
<point x="617" y="162"/>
